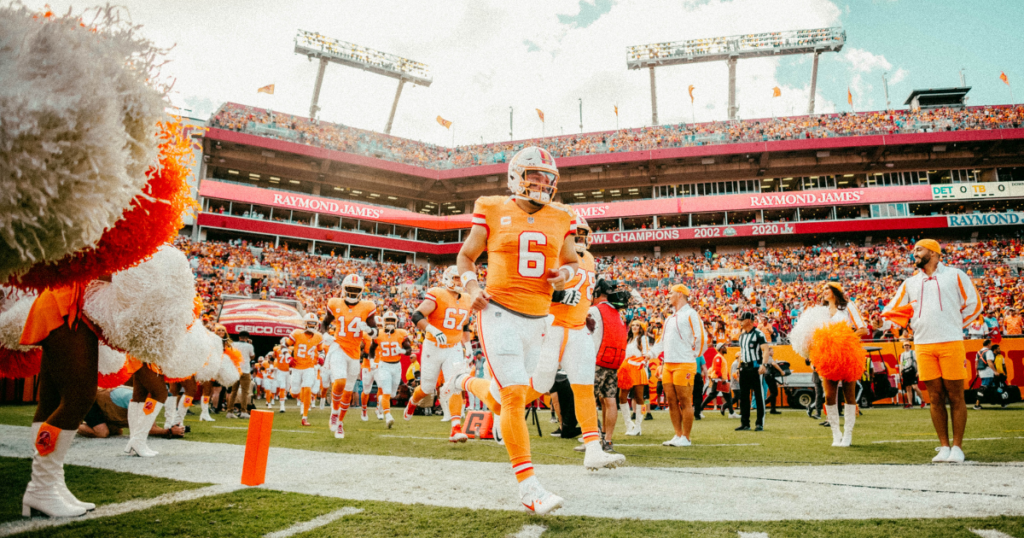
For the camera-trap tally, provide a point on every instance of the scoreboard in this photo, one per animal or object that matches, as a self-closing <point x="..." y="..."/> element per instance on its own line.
<point x="971" y="191"/>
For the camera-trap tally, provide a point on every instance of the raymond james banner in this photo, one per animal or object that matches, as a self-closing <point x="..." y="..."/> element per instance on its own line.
<point x="1010" y="218"/>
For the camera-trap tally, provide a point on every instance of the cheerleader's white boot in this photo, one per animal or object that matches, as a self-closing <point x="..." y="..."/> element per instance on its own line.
<point x="851" y="419"/>
<point x="139" y="424"/>
<point x="833" y="421"/>
<point x="45" y="491"/>
<point x="170" y="412"/>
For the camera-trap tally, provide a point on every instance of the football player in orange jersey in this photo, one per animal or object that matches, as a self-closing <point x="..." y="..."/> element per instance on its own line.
<point x="354" y="317"/>
<point x="567" y="345"/>
<point x="305" y="346"/>
<point x="368" y="376"/>
<point x="282" y="375"/>
<point x="388" y="348"/>
<point x="444" y="316"/>
<point x="530" y="253"/>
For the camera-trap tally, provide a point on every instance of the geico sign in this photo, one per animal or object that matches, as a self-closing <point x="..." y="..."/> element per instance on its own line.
<point x="632" y="237"/>
<point x="265" y="330"/>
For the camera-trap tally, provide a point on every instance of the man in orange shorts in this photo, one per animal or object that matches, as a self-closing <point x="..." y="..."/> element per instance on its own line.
<point x="683" y="340"/>
<point x="944" y="301"/>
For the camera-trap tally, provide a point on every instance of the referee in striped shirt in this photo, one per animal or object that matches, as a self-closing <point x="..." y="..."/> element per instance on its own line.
<point x="755" y="354"/>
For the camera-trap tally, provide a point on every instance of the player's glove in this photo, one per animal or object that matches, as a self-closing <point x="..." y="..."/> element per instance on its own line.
<point x="370" y="331"/>
<point x="439" y="336"/>
<point x="571" y="297"/>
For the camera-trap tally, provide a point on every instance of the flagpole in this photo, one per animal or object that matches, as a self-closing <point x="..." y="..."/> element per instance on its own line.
<point x="693" y="113"/>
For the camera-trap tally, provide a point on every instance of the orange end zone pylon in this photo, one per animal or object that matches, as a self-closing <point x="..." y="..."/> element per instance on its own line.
<point x="478" y="421"/>
<point x="257" y="447"/>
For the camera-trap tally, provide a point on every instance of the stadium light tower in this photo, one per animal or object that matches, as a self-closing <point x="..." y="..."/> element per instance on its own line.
<point x="733" y="48"/>
<point x="313" y="45"/>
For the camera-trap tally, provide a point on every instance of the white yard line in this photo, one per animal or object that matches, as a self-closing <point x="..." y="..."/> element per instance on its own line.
<point x="936" y="440"/>
<point x="314" y="523"/>
<point x="991" y="534"/>
<point x="529" y="531"/>
<point x="246" y="428"/>
<point x="698" y="445"/>
<point x="806" y="492"/>
<point x="36" y="523"/>
<point x="753" y="534"/>
<point x="413" y="437"/>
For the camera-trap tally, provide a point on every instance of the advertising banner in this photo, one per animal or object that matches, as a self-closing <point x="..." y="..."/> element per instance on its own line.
<point x="260" y="318"/>
<point x="1009" y="218"/>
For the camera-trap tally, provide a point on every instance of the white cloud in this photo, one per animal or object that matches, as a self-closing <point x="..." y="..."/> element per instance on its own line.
<point x="484" y="56"/>
<point x="899" y="76"/>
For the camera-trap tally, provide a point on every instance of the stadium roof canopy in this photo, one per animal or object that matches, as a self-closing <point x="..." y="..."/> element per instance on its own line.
<point x="938" y="98"/>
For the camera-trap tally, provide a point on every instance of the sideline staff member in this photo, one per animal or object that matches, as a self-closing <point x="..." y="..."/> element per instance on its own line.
<point x="683" y="341"/>
<point x="755" y="353"/>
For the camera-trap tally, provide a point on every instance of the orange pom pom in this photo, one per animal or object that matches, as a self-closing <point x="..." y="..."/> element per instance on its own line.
<point x="837" y="353"/>
<point x="116" y="379"/>
<point x="19" y="364"/>
<point x="153" y="220"/>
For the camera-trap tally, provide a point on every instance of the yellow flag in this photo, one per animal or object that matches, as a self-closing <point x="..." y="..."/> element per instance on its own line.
<point x="269" y="88"/>
<point x="776" y="92"/>
<point x="540" y="114"/>
<point x="691" y="94"/>
<point x="444" y="123"/>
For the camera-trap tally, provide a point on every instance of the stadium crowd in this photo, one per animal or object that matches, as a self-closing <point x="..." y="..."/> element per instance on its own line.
<point x="775" y="283"/>
<point x="339" y="137"/>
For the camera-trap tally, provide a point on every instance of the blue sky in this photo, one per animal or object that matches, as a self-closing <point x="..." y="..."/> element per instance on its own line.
<point x="489" y="55"/>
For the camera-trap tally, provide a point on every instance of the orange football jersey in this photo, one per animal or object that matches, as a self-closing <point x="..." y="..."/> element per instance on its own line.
<point x="521" y="248"/>
<point x="367" y="344"/>
<point x="349" y="337"/>
<point x="279" y="360"/>
<point x="389" y="346"/>
<point x="450" y="315"/>
<point x="583" y="281"/>
<point x="304" y="348"/>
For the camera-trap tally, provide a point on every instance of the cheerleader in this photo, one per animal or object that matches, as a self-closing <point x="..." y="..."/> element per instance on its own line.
<point x="148" y="396"/>
<point x="839" y="358"/>
<point x="633" y="375"/>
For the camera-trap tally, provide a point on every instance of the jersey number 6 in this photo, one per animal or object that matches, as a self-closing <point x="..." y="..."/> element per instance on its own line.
<point x="531" y="262"/>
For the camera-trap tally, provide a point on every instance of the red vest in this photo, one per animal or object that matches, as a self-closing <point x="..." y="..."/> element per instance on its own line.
<point x="613" y="340"/>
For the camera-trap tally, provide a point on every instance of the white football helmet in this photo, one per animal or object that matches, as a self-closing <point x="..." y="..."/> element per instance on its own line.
<point x="451" y="280"/>
<point x="390" y="321"/>
<point x="532" y="175"/>
<point x="312" y="323"/>
<point x="352" y="288"/>
<point x="583" y="232"/>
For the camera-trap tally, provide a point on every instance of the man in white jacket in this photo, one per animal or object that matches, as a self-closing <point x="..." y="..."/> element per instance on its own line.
<point x="683" y="340"/>
<point x="944" y="301"/>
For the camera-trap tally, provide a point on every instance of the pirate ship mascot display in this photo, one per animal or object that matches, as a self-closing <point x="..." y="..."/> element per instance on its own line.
<point x="92" y="188"/>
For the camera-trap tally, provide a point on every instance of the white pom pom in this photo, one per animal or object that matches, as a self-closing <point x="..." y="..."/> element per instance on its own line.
<point x="811" y="320"/>
<point x="190" y="354"/>
<point x="79" y="130"/>
<point x="228" y="374"/>
<point x="146" y="310"/>
<point x="14" y="309"/>
<point x="212" y="359"/>
<point x="111" y="361"/>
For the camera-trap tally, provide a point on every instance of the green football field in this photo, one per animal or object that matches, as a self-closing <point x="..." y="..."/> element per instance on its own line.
<point x="884" y="437"/>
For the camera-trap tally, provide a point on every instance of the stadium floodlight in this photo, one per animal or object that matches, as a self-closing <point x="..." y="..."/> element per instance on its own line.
<point x="732" y="48"/>
<point x="327" y="49"/>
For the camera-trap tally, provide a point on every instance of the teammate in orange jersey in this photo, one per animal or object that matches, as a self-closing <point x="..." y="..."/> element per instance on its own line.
<point x="282" y="360"/>
<point x="388" y="348"/>
<point x="568" y="346"/>
<point x="354" y="316"/>
<point x="368" y="376"/>
<point x="444" y="316"/>
<point x="530" y="253"/>
<point x="305" y="346"/>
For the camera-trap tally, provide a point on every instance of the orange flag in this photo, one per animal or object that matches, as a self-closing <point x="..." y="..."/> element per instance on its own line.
<point x="691" y="94"/>
<point x="616" y="110"/>
<point x="269" y="88"/>
<point x="849" y="96"/>
<point x="540" y="114"/>
<point x="776" y="92"/>
<point x="444" y="123"/>
<point x="1002" y="77"/>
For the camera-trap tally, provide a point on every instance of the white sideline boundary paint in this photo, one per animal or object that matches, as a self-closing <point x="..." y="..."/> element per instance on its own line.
<point x="246" y="428"/>
<point x="314" y="523"/>
<point x="936" y="441"/>
<point x="991" y="534"/>
<point x="753" y="534"/>
<point x="529" y="531"/>
<point x="697" y="445"/>
<point x="799" y="492"/>
<point x="36" y="523"/>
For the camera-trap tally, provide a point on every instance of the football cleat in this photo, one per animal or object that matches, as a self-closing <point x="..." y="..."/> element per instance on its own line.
<point x="596" y="458"/>
<point x="380" y="414"/>
<point x="538" y="500"/>
<point x="305" y="421"/>
<point x="389" y="420"/>
<point x="333" y="425"/>
<point x="457" y="436"/>
<point x="362" y="415"/>
<point x="339" y="432"/>
<point x="409" y="411"/>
